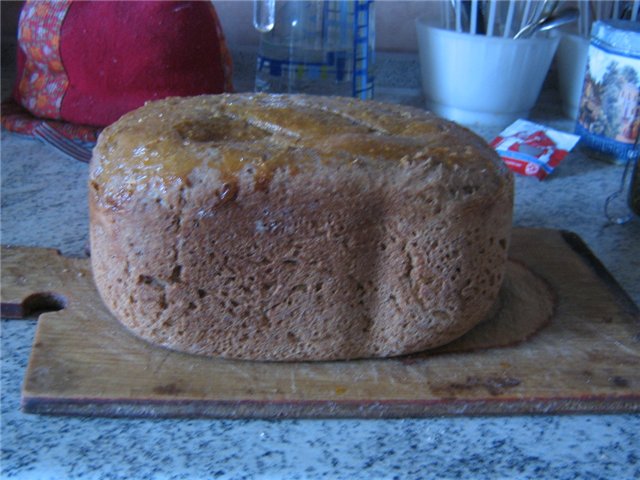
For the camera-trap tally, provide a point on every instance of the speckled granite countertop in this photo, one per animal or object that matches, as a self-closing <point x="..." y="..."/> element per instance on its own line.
<point x="43" y="204"/>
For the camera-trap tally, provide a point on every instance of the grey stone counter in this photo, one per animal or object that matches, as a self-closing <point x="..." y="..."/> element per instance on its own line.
<point x="44" y="204"/>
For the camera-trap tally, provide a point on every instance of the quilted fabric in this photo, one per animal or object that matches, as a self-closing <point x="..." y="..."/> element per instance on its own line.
<point x="81" y="65"/>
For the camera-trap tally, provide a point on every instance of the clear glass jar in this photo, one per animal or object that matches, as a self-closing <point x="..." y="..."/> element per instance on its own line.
<point x="317" y="47"/>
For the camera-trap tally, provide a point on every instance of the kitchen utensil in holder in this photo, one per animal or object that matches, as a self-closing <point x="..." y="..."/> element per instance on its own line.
<point x="481" y="79"/>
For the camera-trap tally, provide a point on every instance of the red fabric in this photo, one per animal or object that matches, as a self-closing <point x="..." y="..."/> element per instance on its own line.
<point x="81" y="65"/>
<point x="21" y="60"/>
<point x="117" y="55"/>
<point x="16" y="118"/>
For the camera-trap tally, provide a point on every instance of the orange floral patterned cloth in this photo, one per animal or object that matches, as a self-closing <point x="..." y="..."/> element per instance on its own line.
<point x="44" y="82"/>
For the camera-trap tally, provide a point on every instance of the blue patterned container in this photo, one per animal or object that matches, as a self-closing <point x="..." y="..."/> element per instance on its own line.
<point x="609" y="114"/>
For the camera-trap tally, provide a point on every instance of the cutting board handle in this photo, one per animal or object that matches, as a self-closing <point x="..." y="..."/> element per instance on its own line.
<point x="38" y="280"/>
<point x="34" y="305"/>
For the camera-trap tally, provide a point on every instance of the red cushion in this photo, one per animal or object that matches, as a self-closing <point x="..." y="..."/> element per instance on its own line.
<point x="118" y="55"/>
<point x="90" y="62"/>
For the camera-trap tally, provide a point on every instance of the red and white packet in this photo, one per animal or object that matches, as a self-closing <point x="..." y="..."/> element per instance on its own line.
<point x="531" y="149"/>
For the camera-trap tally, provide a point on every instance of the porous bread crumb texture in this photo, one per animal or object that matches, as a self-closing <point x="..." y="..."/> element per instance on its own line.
<point x="369" y="230"/>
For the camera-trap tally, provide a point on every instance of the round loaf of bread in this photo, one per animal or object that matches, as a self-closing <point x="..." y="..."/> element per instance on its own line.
<point x="292" y="227"/>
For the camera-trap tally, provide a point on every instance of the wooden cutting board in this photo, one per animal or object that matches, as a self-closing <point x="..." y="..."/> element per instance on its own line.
<point x="577" y="353"/>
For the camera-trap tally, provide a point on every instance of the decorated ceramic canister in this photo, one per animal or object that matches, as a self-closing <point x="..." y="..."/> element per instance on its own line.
<point x="609" y="115"/>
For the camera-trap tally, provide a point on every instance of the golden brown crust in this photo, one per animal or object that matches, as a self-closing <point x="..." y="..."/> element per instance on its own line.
<point x="296" y="228"/>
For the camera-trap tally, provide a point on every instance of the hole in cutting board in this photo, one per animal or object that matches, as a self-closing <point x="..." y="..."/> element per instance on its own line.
<point x="42" y="302"/>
